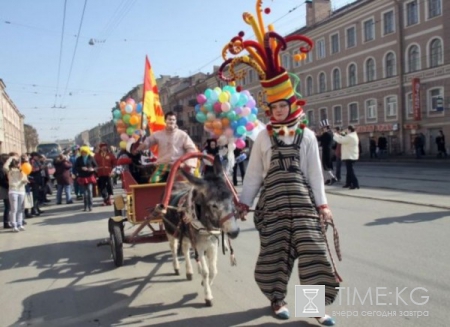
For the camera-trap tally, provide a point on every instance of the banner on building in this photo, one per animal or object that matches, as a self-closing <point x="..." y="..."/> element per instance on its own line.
<point x="416" y="99"/>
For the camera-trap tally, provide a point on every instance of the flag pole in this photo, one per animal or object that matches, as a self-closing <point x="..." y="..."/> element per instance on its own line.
<point x="143" y="94"/>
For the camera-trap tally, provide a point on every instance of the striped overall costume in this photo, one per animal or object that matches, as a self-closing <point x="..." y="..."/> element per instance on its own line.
<point x="285" y="237"/>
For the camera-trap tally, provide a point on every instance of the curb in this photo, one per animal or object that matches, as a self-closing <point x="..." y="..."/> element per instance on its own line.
<point x="390" y="200"/>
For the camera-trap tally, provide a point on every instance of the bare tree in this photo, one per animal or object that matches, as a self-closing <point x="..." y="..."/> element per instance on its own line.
<point x="31" y="138"/>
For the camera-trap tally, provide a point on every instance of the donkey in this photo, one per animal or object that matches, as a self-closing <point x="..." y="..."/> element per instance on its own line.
<point x="205" y="209"/>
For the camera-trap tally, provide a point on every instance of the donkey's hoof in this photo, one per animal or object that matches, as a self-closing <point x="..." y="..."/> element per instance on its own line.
<point x="208" y="303"/>
<point x="177" y="272"/>
<point x="189" y="276"/>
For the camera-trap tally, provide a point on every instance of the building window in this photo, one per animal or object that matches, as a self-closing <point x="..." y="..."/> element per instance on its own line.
<point x="351" y="37"/>
<point x="337" y="112"/>
<point x="434" y="8"/>
<point x="323" y="114"/>
<point x="409" y="104"/>
<point x="369" y="30"/>
<point x="310" y="115"/>
<point x="412" y="13"/>
<point x="320" y="49"/>
<point x="309" y="85"/>
<point x="391" y="106"/>
<point x="250" y="76"/>
<point x="322" y="83"/>
<point x="336" y="79"/>
<point x="390" y="65"/>
<point x="309" y="57"/>
<point x="334" y="43"/>
<point x="433" y="96"/>
<point x="371" y="109"/>
<point x="436" y="53"/>
<point x="388" y="22"/>
<point x="352" y="75"/>
<point x="413" y="59"/>
<point x="286" y="61"/>
<point x="353" y="109"/>
<point x="370" y="70"/>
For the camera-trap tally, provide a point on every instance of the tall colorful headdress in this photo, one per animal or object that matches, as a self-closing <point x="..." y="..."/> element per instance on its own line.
<point x="264" y="56"/>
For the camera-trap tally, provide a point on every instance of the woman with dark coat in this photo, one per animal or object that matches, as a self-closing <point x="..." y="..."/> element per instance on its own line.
<point x="63" y="178"/>
<point x="85" y="166"/>
<point x="211" y="149"/>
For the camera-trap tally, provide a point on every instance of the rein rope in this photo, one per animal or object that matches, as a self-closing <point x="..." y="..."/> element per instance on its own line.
<point x="323" y="226"/>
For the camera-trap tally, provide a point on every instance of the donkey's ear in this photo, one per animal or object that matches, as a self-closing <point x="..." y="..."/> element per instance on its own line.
<point x="197" y="182"/>
<point x="218" y="169"/>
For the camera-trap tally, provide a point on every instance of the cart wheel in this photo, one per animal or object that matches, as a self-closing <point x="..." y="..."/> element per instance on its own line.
<point x="117" y="244"/>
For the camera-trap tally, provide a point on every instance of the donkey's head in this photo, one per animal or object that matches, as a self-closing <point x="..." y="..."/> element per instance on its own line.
<point x="214" y="200"/>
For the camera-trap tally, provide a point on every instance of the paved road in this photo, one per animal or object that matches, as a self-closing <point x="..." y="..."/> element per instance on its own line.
<point x="54" y="275"/>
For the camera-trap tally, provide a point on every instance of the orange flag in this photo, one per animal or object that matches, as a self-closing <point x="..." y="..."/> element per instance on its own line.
<point x="151" y="104"/>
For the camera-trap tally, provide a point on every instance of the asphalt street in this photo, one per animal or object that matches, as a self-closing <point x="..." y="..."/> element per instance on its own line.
<point x="393" y="238"/>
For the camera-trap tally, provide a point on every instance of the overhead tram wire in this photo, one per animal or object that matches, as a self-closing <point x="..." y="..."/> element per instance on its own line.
<point x="60" y="52"/>
<point x="74" y="53"/>
<point x="121" y="11"/>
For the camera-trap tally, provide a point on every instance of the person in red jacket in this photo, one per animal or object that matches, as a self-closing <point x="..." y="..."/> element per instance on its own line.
<point x="106" y="162"/>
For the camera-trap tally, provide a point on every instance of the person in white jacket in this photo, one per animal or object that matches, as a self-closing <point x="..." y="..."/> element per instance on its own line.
<point x="17" y="181"/>
<point x="349" y="154"/>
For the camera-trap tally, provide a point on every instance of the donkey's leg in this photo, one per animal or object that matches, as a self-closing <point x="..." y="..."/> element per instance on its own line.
<point x="205" y="274"/>
<point x="186" y="245"/>
<point x="173" y="242"/>
<point x="211" y="254"/>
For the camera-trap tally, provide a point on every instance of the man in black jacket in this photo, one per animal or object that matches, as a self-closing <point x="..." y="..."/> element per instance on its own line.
<point x="326" y="142"/>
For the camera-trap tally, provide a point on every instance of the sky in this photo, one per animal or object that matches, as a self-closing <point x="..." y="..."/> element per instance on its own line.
<point x="65" y="85"/>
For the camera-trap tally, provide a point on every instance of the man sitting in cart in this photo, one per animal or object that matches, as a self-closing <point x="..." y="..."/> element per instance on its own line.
<point x="172" y="143"/>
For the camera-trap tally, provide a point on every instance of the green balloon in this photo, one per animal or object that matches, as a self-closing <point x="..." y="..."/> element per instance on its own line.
<point x="232" y="115"/>
<point x="201" y="117"/>
<point x="117" y="114"/>
<point x="126" y="118"/>
<point x="130" y="130"/>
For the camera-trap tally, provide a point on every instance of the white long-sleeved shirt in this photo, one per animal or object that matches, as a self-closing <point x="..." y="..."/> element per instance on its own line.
<point x="172" y="145"/>
<point x="16" y="178"/>
<point x="259" y="164"/>
<point x="350" y="145"/>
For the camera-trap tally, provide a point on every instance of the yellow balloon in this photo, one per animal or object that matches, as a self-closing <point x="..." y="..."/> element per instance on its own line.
<point x="223" y="97"/>
<point x="123" y="145"/>
<point x="26" y="168"/>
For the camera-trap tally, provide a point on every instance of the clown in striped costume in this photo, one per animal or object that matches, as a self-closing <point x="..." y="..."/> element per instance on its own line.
<point x="285" y="168"/>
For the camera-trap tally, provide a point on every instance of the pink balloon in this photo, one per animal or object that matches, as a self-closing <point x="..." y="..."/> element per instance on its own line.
<point x="240" y="143"/>
<point x="245" y="111"/>
<point x="249" y="126"/>
<point x="130" y="101"/>
<point x="201" y="99"/>
<point x="217" y="107"/>
<point x="124" y="137"/>
<point x="251" y="103"/>
<point x="229" y="132"/>
<point x="225" y="107"/>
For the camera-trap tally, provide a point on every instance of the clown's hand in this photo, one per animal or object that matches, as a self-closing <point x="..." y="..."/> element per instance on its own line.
<point x="242" y="210"/>
<point x="325" y="214"/>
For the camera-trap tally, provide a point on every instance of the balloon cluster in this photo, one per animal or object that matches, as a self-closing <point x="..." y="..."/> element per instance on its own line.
<point x="127" y="118"/>
<point x="227" y="114"/>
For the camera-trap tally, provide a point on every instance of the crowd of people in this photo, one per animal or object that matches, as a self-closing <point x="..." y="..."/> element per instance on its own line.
<point x="76" y="170"/>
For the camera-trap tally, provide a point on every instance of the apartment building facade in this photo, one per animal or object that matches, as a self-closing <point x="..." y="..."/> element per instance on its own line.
<point x="377" y="64"/>
<point x="12" y="132"/>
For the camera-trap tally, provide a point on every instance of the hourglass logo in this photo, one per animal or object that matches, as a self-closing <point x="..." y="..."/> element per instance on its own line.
<point x="309" y="300"/>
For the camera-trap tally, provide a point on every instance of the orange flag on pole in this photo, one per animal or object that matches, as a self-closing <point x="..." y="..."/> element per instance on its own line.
<point x="151" y="105"/>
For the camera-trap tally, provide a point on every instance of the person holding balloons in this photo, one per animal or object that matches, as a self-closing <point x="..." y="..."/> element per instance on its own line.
<point x="85" y="166"/>
<point x="17" y="181"/>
